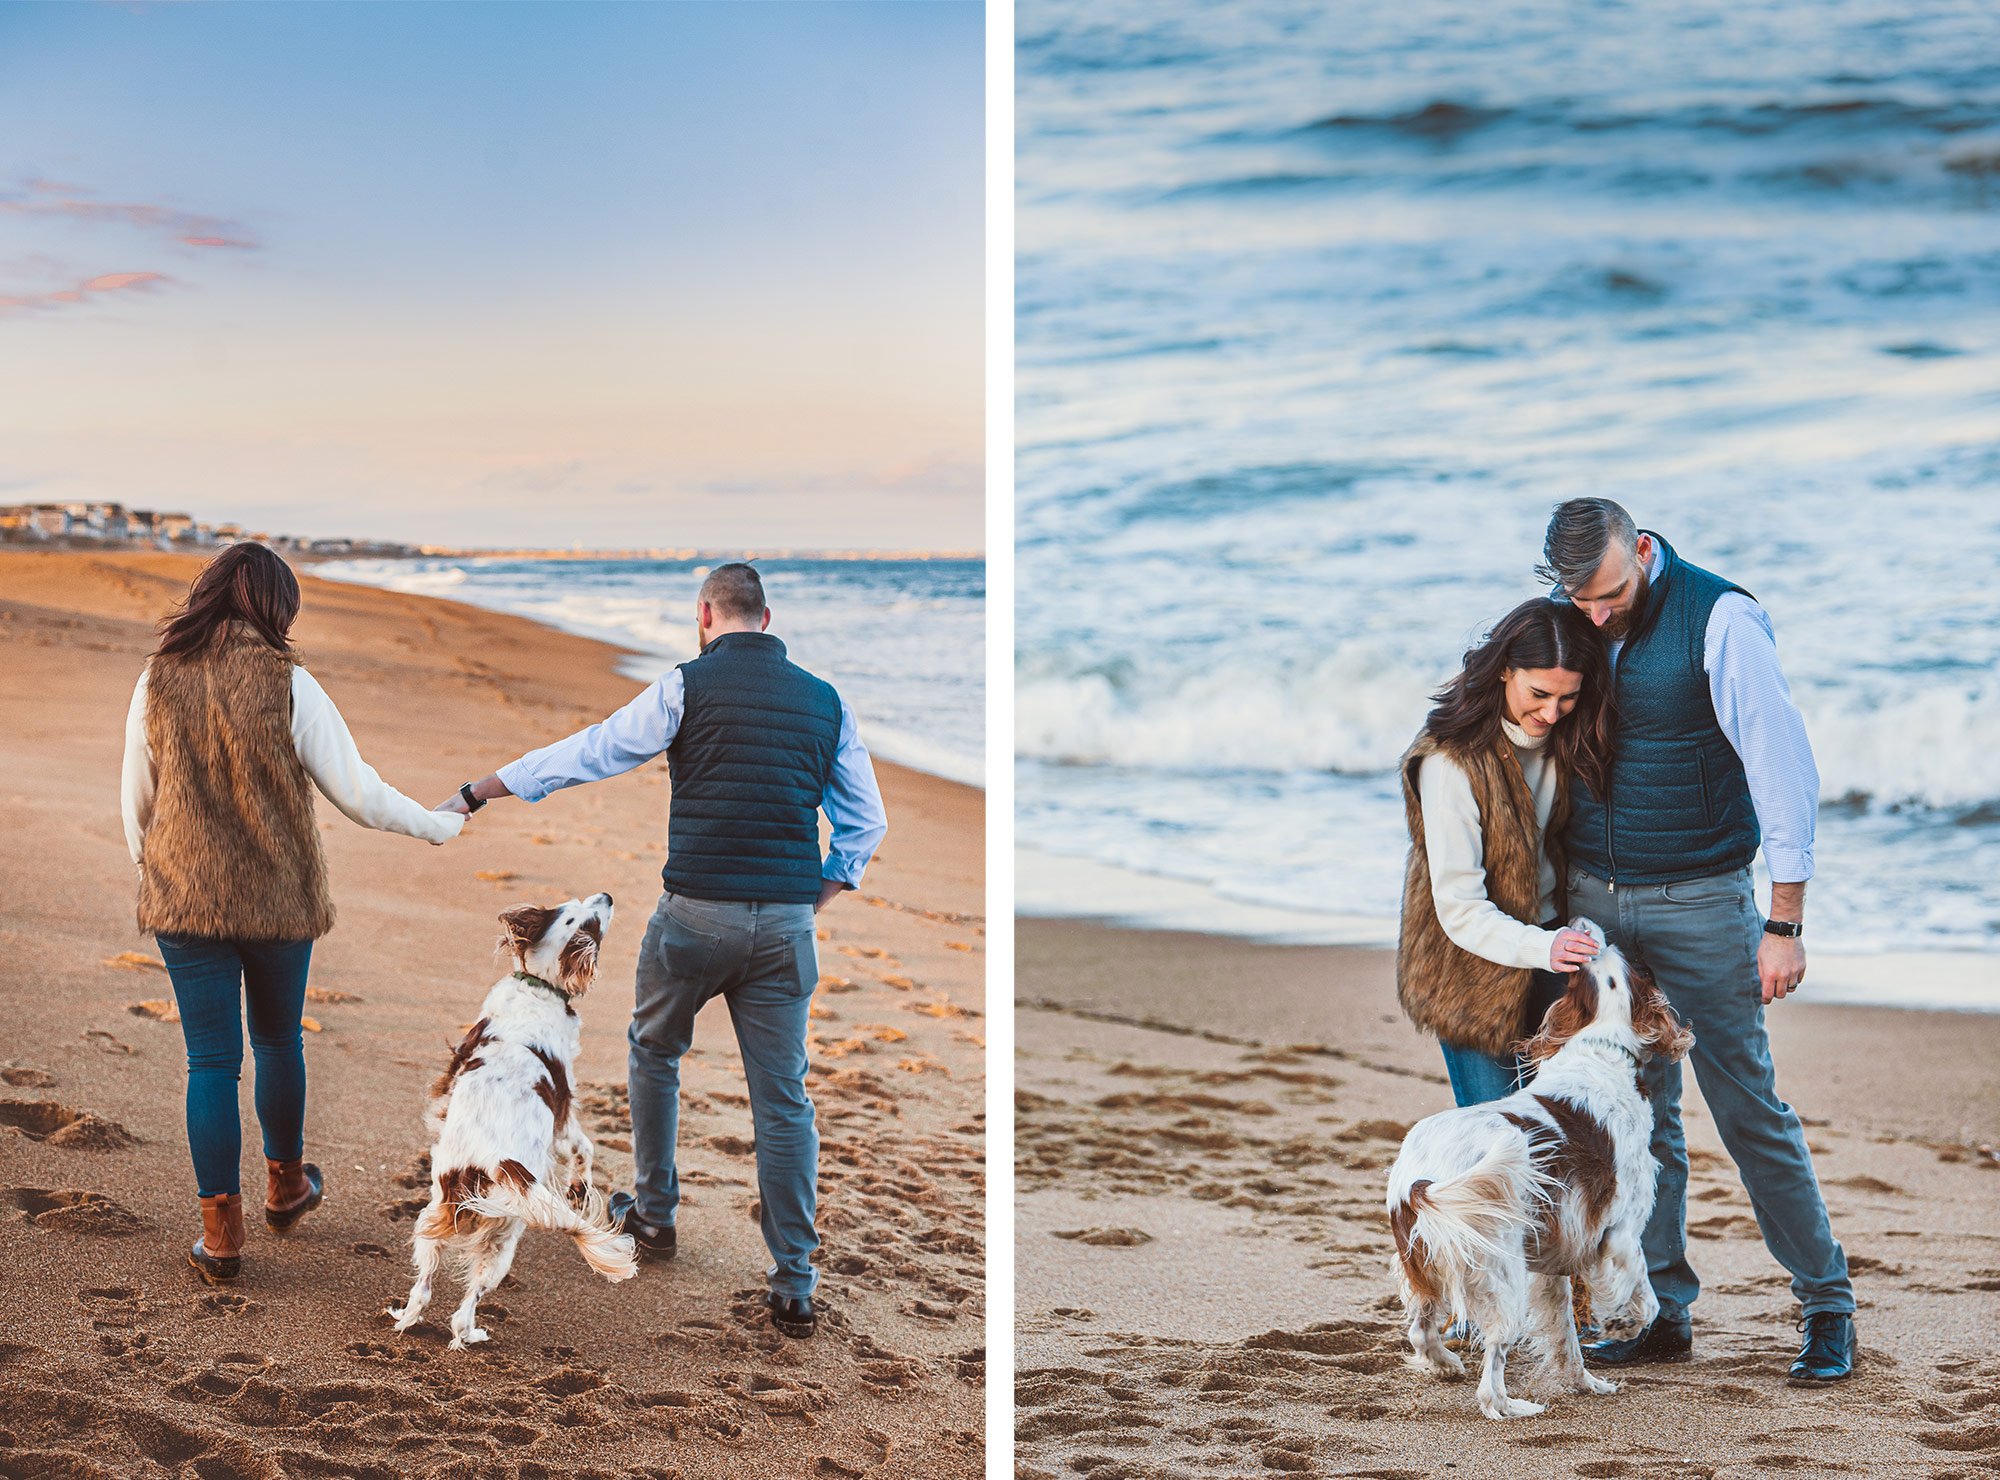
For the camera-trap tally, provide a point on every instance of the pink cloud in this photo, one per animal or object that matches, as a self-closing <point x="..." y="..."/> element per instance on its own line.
<point x="112" y="282"/>
<point x="107" y="282"/>
<point x="55" y="200"/>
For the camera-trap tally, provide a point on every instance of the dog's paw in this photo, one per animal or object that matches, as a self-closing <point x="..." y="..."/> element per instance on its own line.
<point x="1448" y="1366"/>
<point x="405" y="1316"/>
<point x="471" y="1336"/>
<point x="1510" y="1408"/>
<point x="1590" y="1382"/>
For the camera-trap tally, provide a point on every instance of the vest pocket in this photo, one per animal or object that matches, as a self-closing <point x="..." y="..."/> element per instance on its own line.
<point x="1707" y="796"/>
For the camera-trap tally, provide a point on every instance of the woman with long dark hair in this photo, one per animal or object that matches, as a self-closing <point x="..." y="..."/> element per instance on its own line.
<point x="1486" y="788"/>
<point x="227" y="736"/>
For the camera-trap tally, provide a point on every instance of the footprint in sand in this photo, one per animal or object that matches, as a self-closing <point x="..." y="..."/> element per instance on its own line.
<point x="109" y="1042"/>
<point x="156" y="1008"/>
<point x="58" y="1125"/>
<point x="71" y="1210"/>
<point x="1107" y="1238"/>
<point x="23" y="1078"/>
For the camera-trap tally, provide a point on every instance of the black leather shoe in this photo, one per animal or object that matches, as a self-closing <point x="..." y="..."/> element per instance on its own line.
<point x="793" y="1314"/>
<point x="653" y="1242"/>
<point x="1668" y="1339"/>
<point x="1828" y="1353"/>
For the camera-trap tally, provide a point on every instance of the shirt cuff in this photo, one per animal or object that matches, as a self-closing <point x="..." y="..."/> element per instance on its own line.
<point x="518" y="779"/>
<point x="845" y="872"/>
<point x="1788" y="865"/>
<point x="1542" y="941"/>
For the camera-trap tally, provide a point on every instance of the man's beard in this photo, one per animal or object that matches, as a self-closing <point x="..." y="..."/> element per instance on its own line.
<point x="1618" y="628"/>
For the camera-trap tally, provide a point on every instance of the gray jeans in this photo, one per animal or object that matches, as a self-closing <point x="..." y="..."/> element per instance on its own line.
<point x="763" y="960"/>
<point x="1700" y="939"/>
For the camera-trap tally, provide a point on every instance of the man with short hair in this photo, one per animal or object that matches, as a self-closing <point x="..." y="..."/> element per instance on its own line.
<point x="756" y="747"/>
<point x="1712" y="759"/>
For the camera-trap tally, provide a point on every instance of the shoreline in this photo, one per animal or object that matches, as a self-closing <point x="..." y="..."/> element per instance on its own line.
<point x="294" y="1369"/>
<point x="643" y="665"/>
<point x="1203" y="1257"/>
<point x="1125" y="899"/>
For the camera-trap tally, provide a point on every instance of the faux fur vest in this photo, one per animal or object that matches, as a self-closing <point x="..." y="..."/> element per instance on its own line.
<point x="233" y="851"/>
<point x="1466" y="1000"/>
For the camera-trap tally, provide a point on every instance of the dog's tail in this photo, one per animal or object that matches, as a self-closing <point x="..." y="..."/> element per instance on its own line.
<point x="1448" y="1228"/>
<point x="604" y="1249"/>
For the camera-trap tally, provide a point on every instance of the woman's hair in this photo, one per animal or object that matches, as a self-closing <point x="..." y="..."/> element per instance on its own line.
<point x="244" y="583"/>
<point x="1539" y="633"/>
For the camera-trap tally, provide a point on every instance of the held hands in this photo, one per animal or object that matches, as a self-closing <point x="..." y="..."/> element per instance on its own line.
<point x="1571" y="949"/>
<point x="1781" y="965"/>
<point x="453" y="803"/>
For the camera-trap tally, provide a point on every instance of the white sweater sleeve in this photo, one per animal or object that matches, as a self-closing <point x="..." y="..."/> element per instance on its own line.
<point x="137" y="782"/>
<point x="1456" y="851"/>
<point x="328" y="752"/>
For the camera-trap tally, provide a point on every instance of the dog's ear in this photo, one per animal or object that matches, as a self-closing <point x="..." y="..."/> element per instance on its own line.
<point x="578" y="962"/>
<point x="523" y="926"/>
<point x="1653" y="1018"/>
<point x="1574" y="1011"/>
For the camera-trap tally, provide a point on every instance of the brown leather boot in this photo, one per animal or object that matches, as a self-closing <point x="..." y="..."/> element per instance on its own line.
<point x="295" y="1190"/>
<point x="217" y="1256"/>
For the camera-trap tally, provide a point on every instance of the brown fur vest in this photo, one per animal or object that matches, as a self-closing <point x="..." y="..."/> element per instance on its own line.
<point x="233" y="850"/>
<point x="1466" y="1000"/>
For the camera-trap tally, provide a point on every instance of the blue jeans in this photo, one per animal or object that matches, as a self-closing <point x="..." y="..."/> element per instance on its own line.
<point x="216" y="983"/>
<point x="763" y="960"/>
<point x="1700" y="938"/>
<point x="1479" y="1077"/>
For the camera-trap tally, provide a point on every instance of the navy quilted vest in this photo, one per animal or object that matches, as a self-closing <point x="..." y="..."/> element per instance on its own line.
<point x="1680" y="804"/>
<point x="749" y="768"/>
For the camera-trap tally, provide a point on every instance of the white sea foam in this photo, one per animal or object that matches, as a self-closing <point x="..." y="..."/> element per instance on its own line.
<point x="900" y="639"/>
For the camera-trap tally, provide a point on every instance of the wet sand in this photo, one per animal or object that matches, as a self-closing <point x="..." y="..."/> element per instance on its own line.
<point x="116" y="1360"/>
<point x="1204" y="1129"/>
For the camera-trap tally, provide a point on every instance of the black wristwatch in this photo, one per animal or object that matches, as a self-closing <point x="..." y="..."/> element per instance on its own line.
<point x="474" y="803"/>
<point x="1791" y="928"/>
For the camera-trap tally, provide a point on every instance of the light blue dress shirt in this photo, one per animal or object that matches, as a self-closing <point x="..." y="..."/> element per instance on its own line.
<point x="644" y="729"/>
<point x="1753" y="704"/>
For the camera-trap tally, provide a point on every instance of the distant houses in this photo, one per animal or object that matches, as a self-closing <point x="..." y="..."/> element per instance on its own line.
<point x="112" y="524"/>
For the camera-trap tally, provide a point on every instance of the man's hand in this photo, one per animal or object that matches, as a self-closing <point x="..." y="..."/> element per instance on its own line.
<point x="453" y="803"/>
<point x="829" y="891"/>
<point x="1781" y="959"/>
<point x="1781" y="965"/>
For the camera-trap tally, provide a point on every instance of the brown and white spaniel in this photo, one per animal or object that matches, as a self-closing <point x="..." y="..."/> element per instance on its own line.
<point x="509" y="1150"/>
<point x="1495" y="1208"/>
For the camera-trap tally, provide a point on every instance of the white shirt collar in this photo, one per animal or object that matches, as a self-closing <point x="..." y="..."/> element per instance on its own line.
<point x="1520" y="738"/>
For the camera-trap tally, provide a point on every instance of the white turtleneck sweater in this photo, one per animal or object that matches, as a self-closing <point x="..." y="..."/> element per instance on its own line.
<point x="1456" y="853"/>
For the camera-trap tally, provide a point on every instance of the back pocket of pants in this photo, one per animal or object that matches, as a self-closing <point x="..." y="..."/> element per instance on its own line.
<point x="687" y="953"/>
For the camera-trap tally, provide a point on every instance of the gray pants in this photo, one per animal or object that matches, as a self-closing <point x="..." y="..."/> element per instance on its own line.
<point x="763" y="959"/>
<point x="1700" y="939"/>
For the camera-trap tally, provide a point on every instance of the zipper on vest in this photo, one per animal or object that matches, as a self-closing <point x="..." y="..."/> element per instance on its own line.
<point x="1610" y="853"/>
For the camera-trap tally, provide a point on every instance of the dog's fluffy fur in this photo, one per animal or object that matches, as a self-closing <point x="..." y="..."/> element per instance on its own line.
<point x="1495" y="1208"/>
<point x="508" y="1150"/>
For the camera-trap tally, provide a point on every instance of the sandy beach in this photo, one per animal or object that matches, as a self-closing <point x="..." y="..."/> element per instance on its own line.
<point x="1204" y="1126"/>
<point x="116" y="1360"/>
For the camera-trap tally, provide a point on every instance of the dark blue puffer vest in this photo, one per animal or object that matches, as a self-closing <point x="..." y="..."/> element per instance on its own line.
<point x="749" y="768"/>
<point x="1680" y="804"/>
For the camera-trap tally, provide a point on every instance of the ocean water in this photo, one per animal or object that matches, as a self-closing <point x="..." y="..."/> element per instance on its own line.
<point x="903" y="640"/>
<point x="1322" y="309"/>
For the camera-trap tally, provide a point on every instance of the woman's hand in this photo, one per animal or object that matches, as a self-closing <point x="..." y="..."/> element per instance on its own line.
<point x="1571" y="949"/>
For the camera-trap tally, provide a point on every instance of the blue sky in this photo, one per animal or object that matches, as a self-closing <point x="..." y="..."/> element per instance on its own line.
<point x="611" y="274"/>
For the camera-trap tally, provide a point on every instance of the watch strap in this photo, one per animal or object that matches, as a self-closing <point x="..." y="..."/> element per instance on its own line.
<point x="1792" y="928"/>
<point x="472" y="802"/>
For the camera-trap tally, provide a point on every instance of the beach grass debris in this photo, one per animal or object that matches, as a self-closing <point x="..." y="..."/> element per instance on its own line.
<point x="496" y="875"/>
<point x="136" y="961"/>
<point x="311" y="1025"/>
<point x="329" y="994"/>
